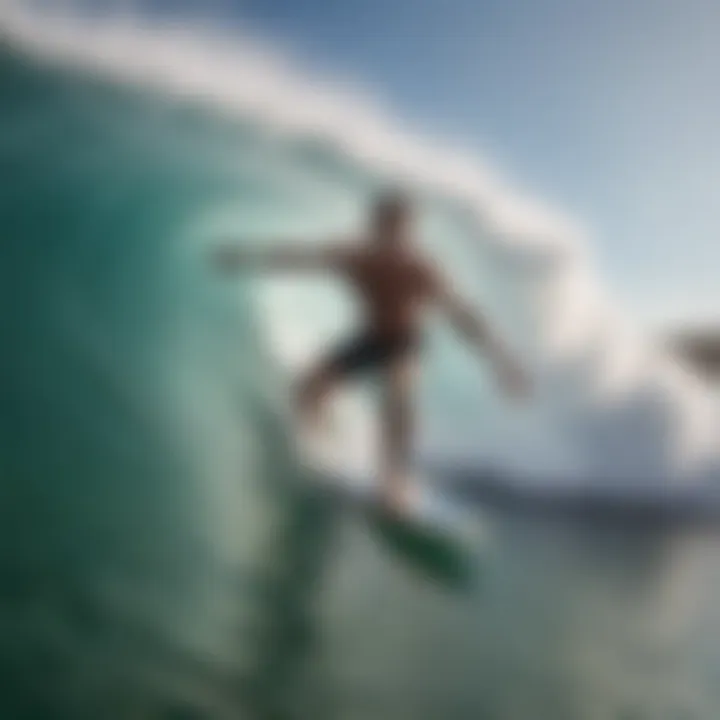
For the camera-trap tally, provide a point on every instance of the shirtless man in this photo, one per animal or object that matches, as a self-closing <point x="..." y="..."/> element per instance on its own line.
<point x="396" y="285"/>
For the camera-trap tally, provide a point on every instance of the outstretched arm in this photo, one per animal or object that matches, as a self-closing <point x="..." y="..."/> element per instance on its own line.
<point x="230" y="258"/>
<point x="473" y="326"/>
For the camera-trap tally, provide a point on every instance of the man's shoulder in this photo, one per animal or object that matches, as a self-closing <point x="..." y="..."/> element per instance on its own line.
<point x="428" y="274"/>
<point x="424" y="263"/>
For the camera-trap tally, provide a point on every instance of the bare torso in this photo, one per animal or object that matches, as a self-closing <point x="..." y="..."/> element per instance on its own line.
<point x="394" y="286"/>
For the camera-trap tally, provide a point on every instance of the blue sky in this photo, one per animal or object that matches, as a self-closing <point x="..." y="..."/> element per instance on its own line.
<point x="608" y="109"/>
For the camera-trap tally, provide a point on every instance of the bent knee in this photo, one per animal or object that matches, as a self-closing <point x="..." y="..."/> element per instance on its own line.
<point x="314" y="384"/>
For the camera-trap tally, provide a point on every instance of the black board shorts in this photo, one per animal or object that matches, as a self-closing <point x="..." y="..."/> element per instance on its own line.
<point x="370" y="350"/>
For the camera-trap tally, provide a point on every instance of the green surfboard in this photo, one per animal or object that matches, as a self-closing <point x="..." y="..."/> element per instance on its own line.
<point x="433" y="536"/>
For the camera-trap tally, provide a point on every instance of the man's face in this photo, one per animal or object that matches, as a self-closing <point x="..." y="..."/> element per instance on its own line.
<point x="392" y="223"/>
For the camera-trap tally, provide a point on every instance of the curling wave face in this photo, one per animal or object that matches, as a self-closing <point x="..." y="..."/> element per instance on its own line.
<point x="214" y="133"/>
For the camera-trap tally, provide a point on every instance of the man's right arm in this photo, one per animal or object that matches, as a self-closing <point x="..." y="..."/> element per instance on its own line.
<point x="231" y="258"/>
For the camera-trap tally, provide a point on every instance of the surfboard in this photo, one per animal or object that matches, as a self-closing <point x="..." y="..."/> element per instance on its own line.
<point x="433" y="535"/>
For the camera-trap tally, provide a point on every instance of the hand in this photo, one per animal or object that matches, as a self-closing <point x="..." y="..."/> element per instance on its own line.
<point x="396" y="495"/>
<point x="514" y="380"/>
<point x="226" y="258"/>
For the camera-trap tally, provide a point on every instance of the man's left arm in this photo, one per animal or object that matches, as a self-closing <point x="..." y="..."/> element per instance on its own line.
<point x="474" y="327"/>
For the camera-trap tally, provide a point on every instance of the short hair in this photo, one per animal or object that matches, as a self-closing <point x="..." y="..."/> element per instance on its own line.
<point x="391" y="202"/>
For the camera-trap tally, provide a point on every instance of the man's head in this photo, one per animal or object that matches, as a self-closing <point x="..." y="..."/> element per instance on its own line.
<point x="391" y="217"/>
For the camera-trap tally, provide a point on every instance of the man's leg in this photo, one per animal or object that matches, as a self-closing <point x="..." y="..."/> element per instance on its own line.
<point x="312" y="392"/>
<point x="340" y="365"/>
<point x="397" y="432"/>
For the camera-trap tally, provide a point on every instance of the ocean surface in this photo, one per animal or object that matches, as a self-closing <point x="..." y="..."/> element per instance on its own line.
<point x="161" y="557"/>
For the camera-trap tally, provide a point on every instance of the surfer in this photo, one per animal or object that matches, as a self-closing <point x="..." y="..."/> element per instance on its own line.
<point x="396" y="285"/>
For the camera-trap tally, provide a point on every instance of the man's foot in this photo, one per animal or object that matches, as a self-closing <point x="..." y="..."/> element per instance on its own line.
<point x="316" y="423"/>
<point x="397" y="496"/>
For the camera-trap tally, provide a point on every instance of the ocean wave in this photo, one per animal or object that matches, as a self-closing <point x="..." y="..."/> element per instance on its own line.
<point x="287" y="150"/>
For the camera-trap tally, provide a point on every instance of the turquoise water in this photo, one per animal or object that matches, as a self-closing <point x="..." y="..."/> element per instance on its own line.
<point x="159" y="558"/>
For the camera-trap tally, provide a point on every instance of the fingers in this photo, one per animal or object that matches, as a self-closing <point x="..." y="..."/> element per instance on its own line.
<point x="225" y="258"/>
